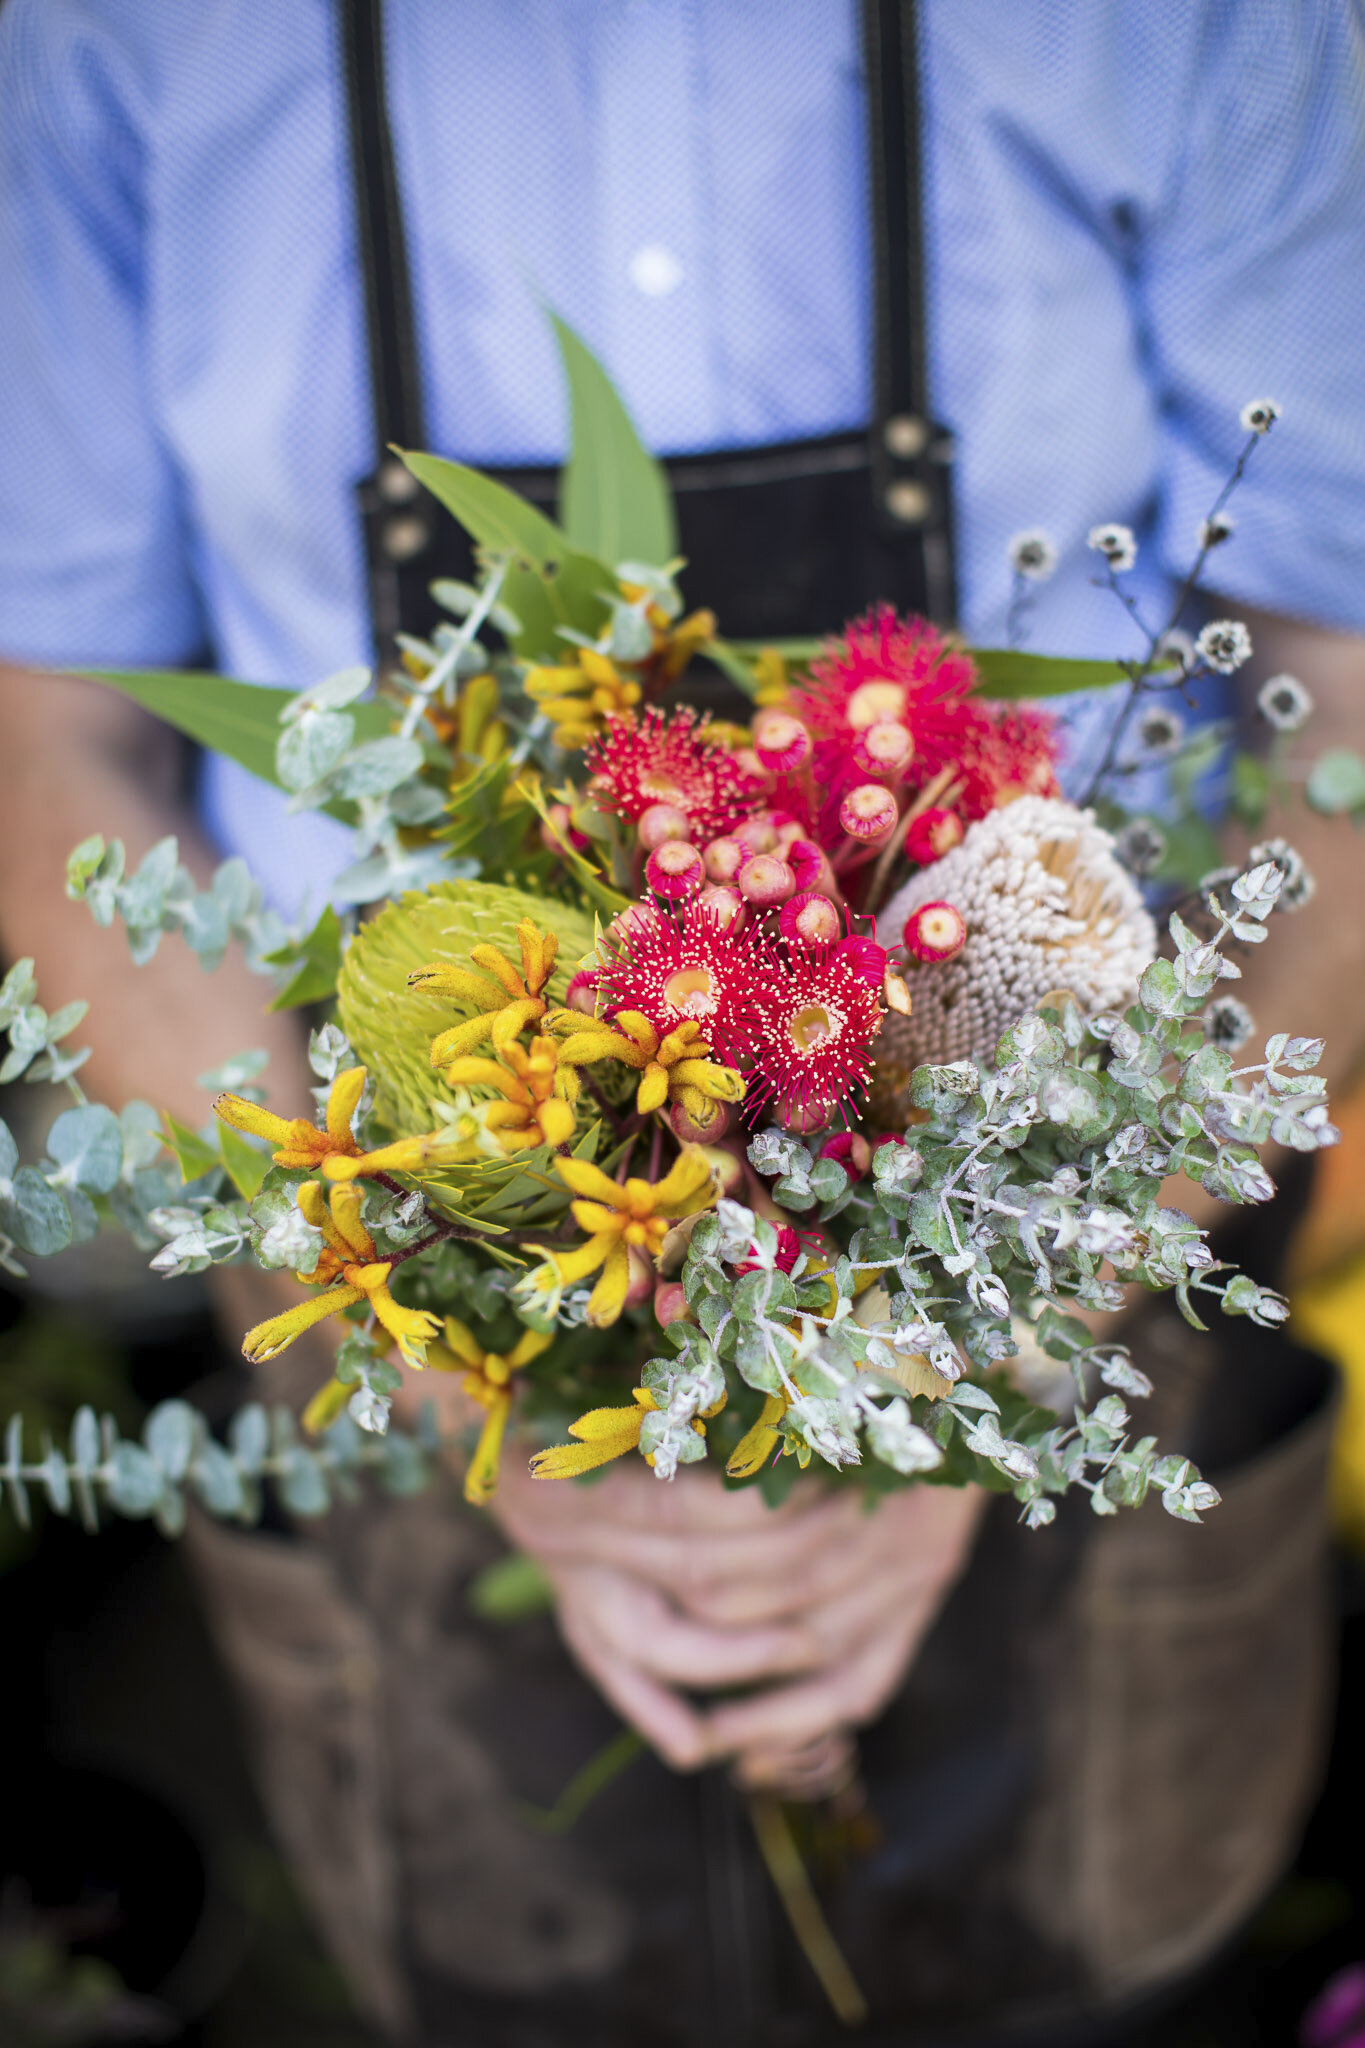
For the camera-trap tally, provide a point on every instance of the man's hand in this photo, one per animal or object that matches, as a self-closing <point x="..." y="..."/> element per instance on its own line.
<point x="815" y="1608"/>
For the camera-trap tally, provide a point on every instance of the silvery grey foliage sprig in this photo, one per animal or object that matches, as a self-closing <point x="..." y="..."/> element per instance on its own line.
<point x="161" y="896"/>
<point x="1031" y="1183"/>
<point x="178" y="1458"/>
<point x="94" y="1162"/>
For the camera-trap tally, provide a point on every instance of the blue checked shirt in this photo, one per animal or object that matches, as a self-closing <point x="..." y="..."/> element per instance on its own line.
<point x="1139" y="217"/>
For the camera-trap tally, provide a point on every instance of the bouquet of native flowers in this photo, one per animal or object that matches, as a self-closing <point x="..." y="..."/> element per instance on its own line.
<point x="785" y="1092"/>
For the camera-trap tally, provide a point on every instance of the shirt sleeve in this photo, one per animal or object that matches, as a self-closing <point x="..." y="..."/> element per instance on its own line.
<point x="1252" y="285"/>
<point x="94" y="559"/>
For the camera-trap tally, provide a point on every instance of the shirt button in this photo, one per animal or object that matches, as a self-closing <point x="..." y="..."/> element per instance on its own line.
<point x="655" y="270"/>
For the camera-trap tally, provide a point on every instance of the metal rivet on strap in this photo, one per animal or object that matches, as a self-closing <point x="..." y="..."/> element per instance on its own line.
<point x="909" y="502"/>
<point x="396" y="482"/>
<point x="404" y="536"/>
<point x="906" y="435"/>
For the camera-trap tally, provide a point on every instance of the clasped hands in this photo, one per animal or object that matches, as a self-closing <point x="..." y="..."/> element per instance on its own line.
<point x="814" y="1609"/>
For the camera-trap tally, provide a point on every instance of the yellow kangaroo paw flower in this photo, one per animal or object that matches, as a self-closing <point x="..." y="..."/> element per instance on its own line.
<point x="608" y="1298"/>
<point x="463" y="1342"/>
<point x="513" y="1019"/>
<point x="481" y="1480"/>
<point x="497" y="964"/>
<point x="596" y="1218"/>
<point x="652" y="1092"/>
<point x="459" y="985"/>
<point x="411" y="1328"/>
<point x="262" y="1123"/>
<point x="347" y="1090"/>
<point x="586" y="1179"/>
<point x="528" y="1346"/>
<point x="569" y="1266"/>
<point x="345" y="1207"/>
<point x="325" y="1406"/>
<point x="469" y="1073"/>
<point x="722" y="1084"/>
<point x="603" y="1433"/>
<point x="686" y="1186"/>
<point x="754" y="1449"/>
<point x="266" y="1340"/>
<point x="640" y="1029"/>
<point x="556" y="1121"/>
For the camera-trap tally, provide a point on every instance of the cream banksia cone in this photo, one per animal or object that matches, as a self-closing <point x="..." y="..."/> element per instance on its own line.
<point x="1047" y="909"/>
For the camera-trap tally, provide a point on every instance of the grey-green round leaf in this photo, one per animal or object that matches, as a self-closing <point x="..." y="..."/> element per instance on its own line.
<point x="35" y="1215"/>
<point x="137" y="1482"/>
<point x="1336" y="782"/>
<point x="304" y="1484"/>
<point x="249" y="1436"/>
<point x="217" y="1481"/>
<point x="169" y="1434"/>
<point x="87" y="1142"/>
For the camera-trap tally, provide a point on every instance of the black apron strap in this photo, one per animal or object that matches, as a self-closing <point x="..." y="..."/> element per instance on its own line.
<point x="786" y="539"/>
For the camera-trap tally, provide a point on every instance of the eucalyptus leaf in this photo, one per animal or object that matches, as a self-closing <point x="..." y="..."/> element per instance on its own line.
<point x="614" y="499"/>
<point x="87" y="1144"/>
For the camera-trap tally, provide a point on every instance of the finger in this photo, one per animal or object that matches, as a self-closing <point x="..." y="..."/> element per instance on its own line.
<point x="790" y="1716"/>
<point x="771" y="1560"/>
<point x="641" y="1627"/>
<point x="910" y="1542"/>
<point x="820" y="1769"/>
<point x="630" y="1499"/>
<point x="667" y="1723"/>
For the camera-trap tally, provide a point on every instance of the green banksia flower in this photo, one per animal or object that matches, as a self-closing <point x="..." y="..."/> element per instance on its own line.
<point x="391" y="1026"/>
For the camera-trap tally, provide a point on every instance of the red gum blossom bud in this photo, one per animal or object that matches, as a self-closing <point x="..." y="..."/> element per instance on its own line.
<point x="670" y="1303"/>
<point x="581" y="994"/>
<point x="805" y="860"/>
<point x="868" y="813"/>
<point x="689" y="1132"/>
<point x="810" y="920"/>
<point x="935" y="932"/>
<point x="886" y="748"/>
<point x="557" y="831"/>
<point x="865" y="957"/>
<point x="852" y="1151"/>
<point x="660" y="823"/>
<point x="932" y="834"/>
<point x="759" y="833"/>
<point x="765" y="881"/>
<point x="642" y="1282"/>
<point x="725" y="905"/>
<point x="674" y="869"/>
<point x="782" y="743"/>
<point x="724" y="858"/>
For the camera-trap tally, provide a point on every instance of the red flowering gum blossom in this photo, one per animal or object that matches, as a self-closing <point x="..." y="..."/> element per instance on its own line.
<point x="883" y="668"/>
<point x="932" y="834"/>
<point x="674" y="968"/>
<point x="868" y="813"/>
<point x="662" y="822"/>
<point x="724" y="904"/>
<point x="724" y="858"/>
<point x="811" y="1047"/>
<point x="805" y="860"/>
<point x="765" y="880"/>
<point x="852" y="1151"/>
<point x="582" y="992"/>
<point x="810" y="920"/>
<point x="935" y="932"/>
<point x="782" y="743"/>
<point x="789" y="1250"/>
<point x="886" y="748"/>
<point x="675" y="869"/>
<point x="557" y="830"/>
<point x="669" y="758"/>
<point x="865" y="957"/>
